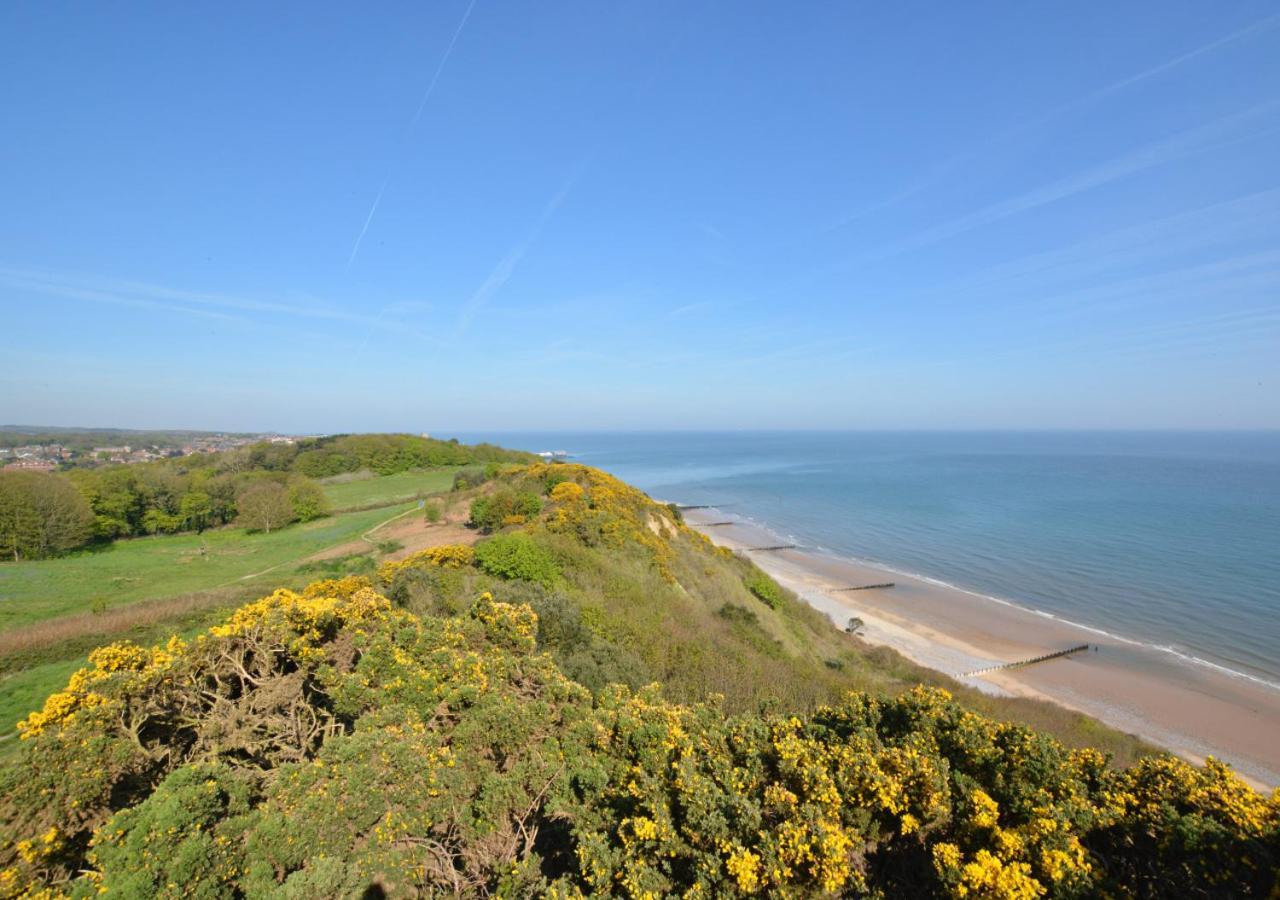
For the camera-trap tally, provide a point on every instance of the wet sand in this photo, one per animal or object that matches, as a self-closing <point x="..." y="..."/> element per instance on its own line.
<point x="1191" y="709"/>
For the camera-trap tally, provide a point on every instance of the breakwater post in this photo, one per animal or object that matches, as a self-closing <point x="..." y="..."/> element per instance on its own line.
<point x="866" y="587"/>
<point x="1027" y="662"/>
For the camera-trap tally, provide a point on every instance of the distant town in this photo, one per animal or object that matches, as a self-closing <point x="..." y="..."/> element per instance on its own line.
<point x="46" y="453"/>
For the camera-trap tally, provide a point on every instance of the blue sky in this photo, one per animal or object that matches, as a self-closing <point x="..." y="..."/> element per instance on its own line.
<point x="492" y="215"/>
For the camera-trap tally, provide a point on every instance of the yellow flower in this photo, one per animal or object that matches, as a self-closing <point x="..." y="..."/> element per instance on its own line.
<point x="985" y="812"/>
<point x="988" y="877"/>
<point x="744" y="866"/>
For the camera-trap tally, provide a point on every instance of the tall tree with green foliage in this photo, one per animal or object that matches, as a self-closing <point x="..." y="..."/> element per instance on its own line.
<point x="264" y="505"/>
<point x="196" y="508"/>
<point x="308" y="500"/>
<point x="41" y="515"/>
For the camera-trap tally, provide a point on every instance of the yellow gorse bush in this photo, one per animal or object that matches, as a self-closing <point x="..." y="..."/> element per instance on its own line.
<point x="446" y="556"/>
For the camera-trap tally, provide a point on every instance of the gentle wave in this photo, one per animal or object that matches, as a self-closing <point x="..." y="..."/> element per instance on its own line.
<point x="787" y="537"/>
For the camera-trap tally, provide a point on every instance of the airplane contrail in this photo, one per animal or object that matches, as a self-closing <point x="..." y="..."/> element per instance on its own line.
<point x="431" y="86"/>
<point x="367" y="219"/>
<point x="943" y="170"/>
<point x="506" y="266"/>
<point x="448" y="51"/>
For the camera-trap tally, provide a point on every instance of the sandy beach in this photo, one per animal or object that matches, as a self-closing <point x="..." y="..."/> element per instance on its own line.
<point x="1189" y="708"/>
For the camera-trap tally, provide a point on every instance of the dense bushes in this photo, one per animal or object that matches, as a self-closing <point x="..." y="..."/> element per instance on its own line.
<point x="387" y="454"/>
<point x="328" y="744"/>
<point x="40" y="515"/>
<point x="517" y="556"/>
<point x="504" y="507"/>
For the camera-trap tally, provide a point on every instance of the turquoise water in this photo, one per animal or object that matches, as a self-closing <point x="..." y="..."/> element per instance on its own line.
<point x="1168" y="539"/>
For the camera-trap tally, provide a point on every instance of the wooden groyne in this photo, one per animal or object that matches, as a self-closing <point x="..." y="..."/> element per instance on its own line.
<point x="774" y="547"/>
<point x="1027" y="662"/>
<point x="715" y="524"/>
<point x="866" y="587"/>
<point x="683" y="506"/>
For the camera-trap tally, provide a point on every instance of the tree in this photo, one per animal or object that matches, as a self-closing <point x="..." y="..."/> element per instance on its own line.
<point x="308" y="500"/>
<point x="157" y="521"/>
<point x="41" y="515"/>
<point x="264" y="505"/>
<point x="195" y="510"/>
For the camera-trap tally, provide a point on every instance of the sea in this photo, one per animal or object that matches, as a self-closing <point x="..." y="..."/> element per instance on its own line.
<point x="1167" y="539"/>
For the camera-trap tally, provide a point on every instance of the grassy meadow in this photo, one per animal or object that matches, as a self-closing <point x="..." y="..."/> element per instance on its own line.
<point x="163" y="566"/>
<point x="403" y="486"/>
<point x="54" y="611"/>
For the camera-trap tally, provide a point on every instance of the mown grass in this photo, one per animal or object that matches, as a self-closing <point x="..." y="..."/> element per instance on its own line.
<point x="363" y="493"/>
<point x="145" y="568"/>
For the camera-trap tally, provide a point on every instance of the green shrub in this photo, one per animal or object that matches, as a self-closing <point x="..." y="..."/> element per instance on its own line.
<point x="504" y="507"/>
<point x="731" y="612"/>
<point x="764" y="588"/>
<point x="308" y="500"/>
<point x="431" y="512"/>
<point x="517" y="556"/>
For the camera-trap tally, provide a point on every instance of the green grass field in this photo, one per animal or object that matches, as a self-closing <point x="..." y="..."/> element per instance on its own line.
<point x="22" y="692"/>
<point x="390" y="488"/>
<point x="143" y="568"/>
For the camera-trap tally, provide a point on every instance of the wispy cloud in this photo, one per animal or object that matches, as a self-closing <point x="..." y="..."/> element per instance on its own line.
<point x="107" y="289"/>
<point x="1193" y="142"/>
<point x="110" y="297"/>
<point x="226" y="308"/>
<point x="1253" y="217"/>
<point x="506" y="266"/>
<point x="941" y="171"/>
<point x="688" y="308"/>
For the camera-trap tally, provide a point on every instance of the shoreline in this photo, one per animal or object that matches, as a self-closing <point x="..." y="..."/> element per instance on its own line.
<point x="1192" y="709"/>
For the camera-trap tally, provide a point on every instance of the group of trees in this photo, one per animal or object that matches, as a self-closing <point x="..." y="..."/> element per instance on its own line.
<point x="387" y="454"/>
<point x="41" y="515"/>
<point x="165" y="498"/>
<point x="263" y="486"/>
